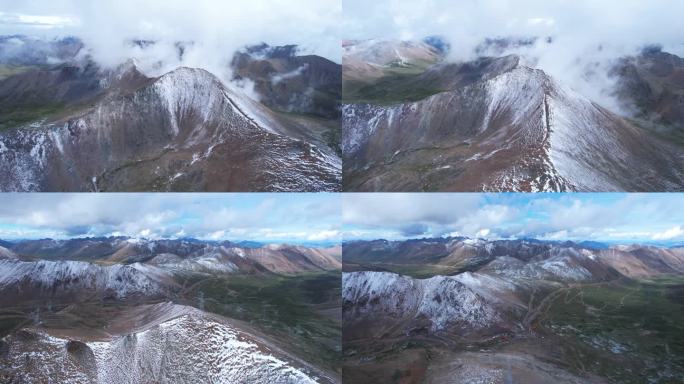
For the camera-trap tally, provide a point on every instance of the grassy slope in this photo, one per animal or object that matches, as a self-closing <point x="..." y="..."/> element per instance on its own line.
<point x="11" y="70"/>
<point x="418" y="271"/>
<point x="323" y="130"/>
<point x="26" y="114"/>
<point x="629" y="332"/>
<point x="396" y="86"/>
<point x="669" y="134"/>
<point x="625" y="331"/>
<point x="291" y="308"/>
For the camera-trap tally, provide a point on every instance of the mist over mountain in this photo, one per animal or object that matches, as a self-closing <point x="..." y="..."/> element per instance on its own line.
<point x="512" y="96"/>
<point x="172" y="131"/>
<point x="417" y="120"/>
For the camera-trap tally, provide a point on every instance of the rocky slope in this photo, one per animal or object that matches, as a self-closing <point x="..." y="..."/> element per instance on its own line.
<point x="496" y="124"/>
<point x="169" y="343"/>
<point x="122" y="269"/>
<point x="183" y="131"/>
<point x="95" y="311"/>
<point x="67" y="280"/>
<point x="489" y="278"/>
<point x="510" y="309"/>
<point x="388" y="303"/>
<point x="291" y="82"/>
<point x="371" y="59"/>
<point x="651" y="85"/>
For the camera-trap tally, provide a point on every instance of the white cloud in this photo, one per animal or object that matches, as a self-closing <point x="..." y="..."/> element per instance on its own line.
<point x="482" y="232"/>
<point x="672" y="233"/>
<point x="381" y="208"/>
<point x="216" y="235"/>
<point x="38" y="21"/>
<point x="588" y="35"/>
<point x="216" y="28"/>
<point x="324" y="235"/>
<point x="545" y="21"/>
<point x="281" y="217"/>
<point x="602" y="217"/>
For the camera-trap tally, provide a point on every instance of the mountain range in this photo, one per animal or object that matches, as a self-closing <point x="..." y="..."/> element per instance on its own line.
<point x="182" y="311"/>
<point x="511" y="311"/>
<point x="416" y="121"/>
<point x="69" y="124"/>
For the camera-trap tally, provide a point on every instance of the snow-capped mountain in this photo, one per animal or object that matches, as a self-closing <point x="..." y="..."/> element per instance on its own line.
<point x="503" y="274"/>
<point x="442" y="301"/>
<point x="495" y="124"/>
<point x="527" y="259"/>
<point x="67" y="280"/>
<point x="131" y="269"/>
<point x="184" y="254"/>
<point x="88" y="311"/>
<point x="120" y="130"/>
<point x="171" y="343"/>
<point x="509" y="309"/>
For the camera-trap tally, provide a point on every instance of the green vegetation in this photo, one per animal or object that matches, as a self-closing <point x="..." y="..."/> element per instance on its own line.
<point x="333" y="138"/>
<point x="11" y="70"/>
<point x="18" y="115"/>
<point x="9" y="322"/>
<point x="294" y="308"/>
<point x="419" y="271"/>
<point x="669" y="134"/>
<point x="398" y="85"/>
<point x="627" y="331"/>
<point x="25" y="114"/>
<point x="313" y="127"/>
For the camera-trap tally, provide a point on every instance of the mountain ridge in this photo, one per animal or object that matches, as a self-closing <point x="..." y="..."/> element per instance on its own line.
<point x="495" y="124"/>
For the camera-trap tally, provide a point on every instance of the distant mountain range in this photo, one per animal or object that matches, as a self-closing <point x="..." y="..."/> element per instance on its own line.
<point x="415" y="121"/>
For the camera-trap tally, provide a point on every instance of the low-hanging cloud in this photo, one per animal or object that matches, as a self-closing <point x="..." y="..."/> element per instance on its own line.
<point x="586" y="35"/>
<point x="210" y="30"/>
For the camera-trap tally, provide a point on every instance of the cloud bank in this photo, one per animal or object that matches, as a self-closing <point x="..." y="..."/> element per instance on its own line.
<point x="286" y="217"/>
<point x="211" y="30"/>
<point x="619" y="218"/>
<point x="587" y="35"/>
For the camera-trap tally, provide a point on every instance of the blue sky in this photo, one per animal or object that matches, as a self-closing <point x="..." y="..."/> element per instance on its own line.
<point x="607" y="217"/>
<point x="282" y="217"/>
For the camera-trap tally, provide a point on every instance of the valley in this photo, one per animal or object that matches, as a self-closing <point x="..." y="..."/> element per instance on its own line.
<point x="521" y="311"/>
<point x="178" y="310"/>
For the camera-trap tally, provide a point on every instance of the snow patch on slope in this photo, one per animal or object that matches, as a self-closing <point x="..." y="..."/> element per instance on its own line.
<point x="121" y="280"/>
<point x="189" y="348"/>
<point x="445" y="301"/>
